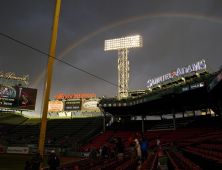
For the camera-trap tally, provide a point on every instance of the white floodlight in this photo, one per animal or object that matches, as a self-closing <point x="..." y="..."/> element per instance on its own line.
<point x="122" y="45"/>
<point x="183" y="79"/>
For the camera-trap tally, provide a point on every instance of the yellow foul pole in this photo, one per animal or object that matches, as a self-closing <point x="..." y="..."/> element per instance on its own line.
<point x="49" y="77"/>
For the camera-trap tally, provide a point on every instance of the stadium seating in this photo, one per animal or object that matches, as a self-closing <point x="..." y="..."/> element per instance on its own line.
<point x="129" y="165"/>
<point x="168" y="123"/>
<point x="99" y="141"/>
<point x="150" y="163"/>
<point x="196" y="143"/>
<point x="8" y="121"/>
<point x="178" y="161"/>
<point x="136" y="124"/>
<point x="206" y="159"/>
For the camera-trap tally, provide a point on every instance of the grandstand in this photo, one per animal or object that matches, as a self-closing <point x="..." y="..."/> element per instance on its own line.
<point x="196" y="138"/>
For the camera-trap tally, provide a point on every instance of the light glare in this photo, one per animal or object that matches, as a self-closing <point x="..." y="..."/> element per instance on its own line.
<point x="121" y="43"/>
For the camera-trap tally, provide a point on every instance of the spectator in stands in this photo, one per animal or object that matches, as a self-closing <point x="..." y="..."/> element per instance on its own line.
<point x="62" y="143"/>
<point x="138" y="149"/>
<point x="87" y="150"/>
<point x="63" y="151"/>
<point x="36" y="160"/>
<point x="130" y="140"/>
<point x="53" y="161"/>
<point x="60" y="151"/>
<point x="105" y="151"/>
<point x="115" y="151"/>
<point x="120" y="147"/>
<point x="157" y="141"/>
<point x="93" y="153"/>
<point x="172" y="147"/>
<point x="100" y="151"/>
<point x="144" y="149"/>
<point x="49" y="140"/>
<point x="132" y="149"/>
<point x="28" y="165"/>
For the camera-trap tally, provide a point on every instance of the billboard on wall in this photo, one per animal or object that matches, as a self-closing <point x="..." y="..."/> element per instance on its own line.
<point x="55" y="106"/>
<point x="90" y="105"/>
<point x="215" y="82"/>
<point x="72" y="105"/>
<point x="47" y="151"/>
<point x="197" y="85"/>
<point x="19" y="98"/>
<point x="20" y="150"/>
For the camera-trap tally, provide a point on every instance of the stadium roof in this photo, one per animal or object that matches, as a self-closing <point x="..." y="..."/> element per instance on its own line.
<point x="194" y="93"/>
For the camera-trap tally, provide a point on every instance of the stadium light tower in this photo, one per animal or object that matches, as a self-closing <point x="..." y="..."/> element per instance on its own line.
<point x="122" y="45"/>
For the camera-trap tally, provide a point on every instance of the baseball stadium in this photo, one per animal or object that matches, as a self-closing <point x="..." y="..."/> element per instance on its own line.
<point x="186" y="133"/>
<point x="173" y="124"/>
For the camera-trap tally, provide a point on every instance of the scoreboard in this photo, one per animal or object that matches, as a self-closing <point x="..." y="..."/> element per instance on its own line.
<point x="72" y="105"/>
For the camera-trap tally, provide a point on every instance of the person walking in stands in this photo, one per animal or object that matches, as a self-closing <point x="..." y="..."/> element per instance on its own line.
<point x="138" y="149"/>
<point x="131" y="150"/>
<point x="36" y="160"/>
<point x="105" y="151"/>
<point x="53" y="161"/>
<point x="157" y="142"/>
<point x="93" y="153"/>
<point x="172" y="147"/>
<point x="120" y="147"/>
<point x="144" y="149"/>
<point x="130" y="140"/>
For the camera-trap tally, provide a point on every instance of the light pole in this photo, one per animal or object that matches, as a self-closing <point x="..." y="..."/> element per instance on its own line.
<point x="122" y="45"/>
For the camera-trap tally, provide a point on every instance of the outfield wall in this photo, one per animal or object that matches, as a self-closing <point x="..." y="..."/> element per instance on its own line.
<point x="31" y="150"/>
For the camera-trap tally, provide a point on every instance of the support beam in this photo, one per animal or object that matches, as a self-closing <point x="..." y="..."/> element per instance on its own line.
<point x="104" y="122"/>
<point x="123" y="72"/>
<point x="220" y="109"/>
<point x="48" y="78"/>
<point x="174" y="119"/>
<point x="143" y="123"/>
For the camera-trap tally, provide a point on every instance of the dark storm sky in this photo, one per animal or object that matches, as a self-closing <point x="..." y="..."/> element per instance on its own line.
<point x="175" y="34"/>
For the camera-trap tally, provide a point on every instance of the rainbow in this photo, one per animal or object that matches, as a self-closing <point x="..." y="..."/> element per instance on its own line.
<point x="121" y="22"/>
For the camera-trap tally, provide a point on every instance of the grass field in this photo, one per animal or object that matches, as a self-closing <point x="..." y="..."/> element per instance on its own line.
<point x="17" y="162"/>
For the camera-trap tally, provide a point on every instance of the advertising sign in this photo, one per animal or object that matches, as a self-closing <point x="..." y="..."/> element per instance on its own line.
<point x="215" y="82"/>
<point x="84" y="154"/>
<point x="11" y="76"/>
<point x="185" y="89"/>
<point x="72" y="105"/>
<point x="212" y="85"/>
<point x="195" y="86"/>
<point x="90" y="105"/>
<point x="55" y="106"/>
<point x="219" y="76"/>
<point x="74" y="96"/>
<point x="198" y="66"/>
<point x="47" y="151"/>
<point x="20" y="150"/>
<point x="19" y="98"/>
